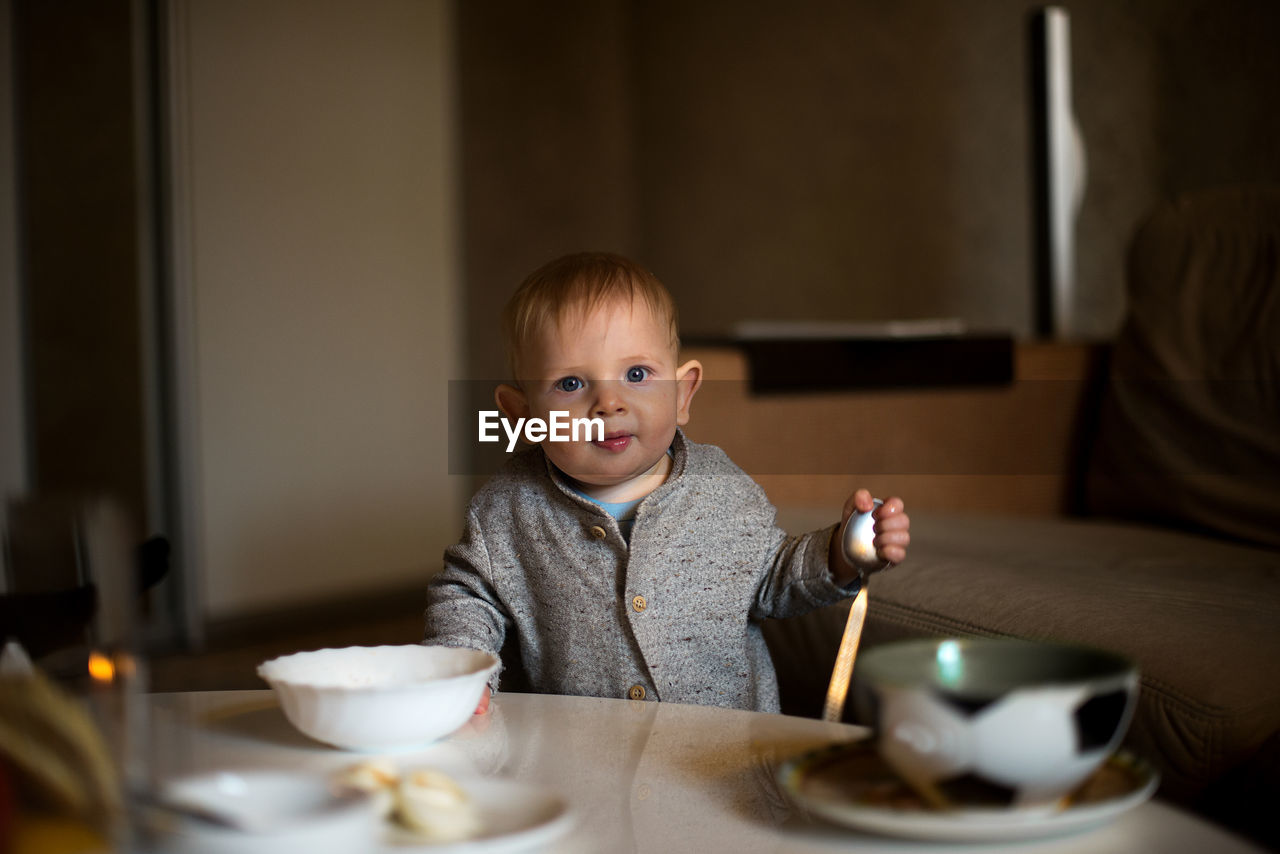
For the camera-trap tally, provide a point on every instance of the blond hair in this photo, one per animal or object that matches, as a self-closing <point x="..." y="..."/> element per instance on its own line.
<point x="573" y="286"/>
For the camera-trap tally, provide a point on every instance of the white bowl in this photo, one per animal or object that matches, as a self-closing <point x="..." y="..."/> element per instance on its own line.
<point x="378" y="698"/>
<point x="266" y="812"/>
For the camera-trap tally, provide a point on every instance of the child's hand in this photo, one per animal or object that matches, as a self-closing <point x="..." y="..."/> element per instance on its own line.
<point x="483" y="705"/>
<point x="892" y="527"/>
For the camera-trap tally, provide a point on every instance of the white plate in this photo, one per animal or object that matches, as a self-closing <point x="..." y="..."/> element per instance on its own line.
<point x="848" y="784"/>
<point x="269" y="811"/>
<point x="514" y="816"/>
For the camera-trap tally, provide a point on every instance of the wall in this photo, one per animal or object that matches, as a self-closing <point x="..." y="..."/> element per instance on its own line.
<point x="548" y="147"/>
<point x="839" y="159"/>
<point x="13" y="479"/>
<point x="317" y="303"/>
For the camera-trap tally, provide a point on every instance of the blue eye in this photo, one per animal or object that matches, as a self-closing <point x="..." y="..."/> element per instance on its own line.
<point x="637" y="374"/>
<point x="569" y="384"/>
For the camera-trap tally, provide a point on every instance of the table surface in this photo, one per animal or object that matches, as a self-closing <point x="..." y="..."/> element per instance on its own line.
<point x="639" y="776"/>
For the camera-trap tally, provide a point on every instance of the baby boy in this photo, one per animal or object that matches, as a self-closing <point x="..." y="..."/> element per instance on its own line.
<point x="638" y="563"/>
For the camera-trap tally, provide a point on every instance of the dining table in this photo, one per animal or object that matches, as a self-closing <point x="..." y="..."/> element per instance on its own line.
<point x="633" y="776"/>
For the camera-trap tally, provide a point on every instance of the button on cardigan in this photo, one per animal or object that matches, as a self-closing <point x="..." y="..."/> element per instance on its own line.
<point x="676" y="613"/>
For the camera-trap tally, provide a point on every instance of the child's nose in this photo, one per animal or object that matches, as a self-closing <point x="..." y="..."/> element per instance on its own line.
<point x="609" y="398"/>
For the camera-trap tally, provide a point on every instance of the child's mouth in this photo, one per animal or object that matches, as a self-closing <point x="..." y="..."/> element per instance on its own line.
<point x="617" y="443"/>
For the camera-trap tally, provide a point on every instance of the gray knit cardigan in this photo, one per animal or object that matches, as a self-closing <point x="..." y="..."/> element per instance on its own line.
<point x="673" y="616"/>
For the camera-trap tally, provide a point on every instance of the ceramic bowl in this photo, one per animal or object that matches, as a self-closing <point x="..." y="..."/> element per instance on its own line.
<point x="262" y="812"/>
<point x="995" y="721"/>
<point x="379" y="698"/>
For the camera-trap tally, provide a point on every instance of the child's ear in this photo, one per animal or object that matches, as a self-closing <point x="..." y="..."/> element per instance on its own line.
<point x="688" y="379"/>
<point x="511" y="402"/>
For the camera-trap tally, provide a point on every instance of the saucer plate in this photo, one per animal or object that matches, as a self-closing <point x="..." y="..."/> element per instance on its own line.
<point x="848" y="784"/>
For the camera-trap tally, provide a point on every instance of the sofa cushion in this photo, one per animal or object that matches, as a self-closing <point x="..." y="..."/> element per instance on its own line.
<point x="1200" y="617"/>
<point x="1190" y="425"/>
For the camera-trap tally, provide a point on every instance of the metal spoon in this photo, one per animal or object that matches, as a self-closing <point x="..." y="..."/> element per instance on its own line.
<point x="860" y="551"/>
<point x="151" y="799"/>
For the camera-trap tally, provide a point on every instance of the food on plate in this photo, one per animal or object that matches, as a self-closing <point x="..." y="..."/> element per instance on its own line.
<point x="434" y="805"/>
<point x="379" y="778"/>
<point x="426" y="801"/>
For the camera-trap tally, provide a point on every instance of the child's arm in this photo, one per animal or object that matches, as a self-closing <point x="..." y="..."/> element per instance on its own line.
<point x="463" y="609"/>
<point x="460" y="615"/>
<point x="893" y="534"/>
